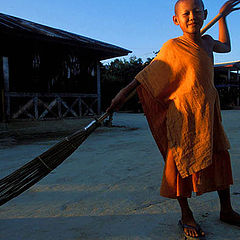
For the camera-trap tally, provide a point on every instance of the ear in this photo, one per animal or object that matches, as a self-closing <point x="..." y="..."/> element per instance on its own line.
<point x="175" y="20"/>
<point x="205" y="14"/>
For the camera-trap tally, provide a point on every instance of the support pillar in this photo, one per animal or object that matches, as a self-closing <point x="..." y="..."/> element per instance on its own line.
<point x="5" y="95"/>
<point x="98" y="88"/>
<point x="238" y="81"/>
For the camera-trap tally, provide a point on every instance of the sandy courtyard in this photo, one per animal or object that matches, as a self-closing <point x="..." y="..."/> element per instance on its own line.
<point x="108" y="189"/>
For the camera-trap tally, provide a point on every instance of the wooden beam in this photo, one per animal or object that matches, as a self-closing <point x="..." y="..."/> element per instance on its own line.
<point x="80" y="106"/>
<point x="35" y="102"/>
<point x="3" y="106"/>
<point x="98" y="88"/>
<point x="238" y="80"/>
<point x="77" y="107"/>
<point x="48" y="108"/>
<point x="59" y="106"/>
<point x="23" y="109"/>
<point x="54" y="95"/>
<point x="69" y="109"/>
<point x="88" y="108"/>
<point x="6" y="86"/>
<point x="229" y="75"/>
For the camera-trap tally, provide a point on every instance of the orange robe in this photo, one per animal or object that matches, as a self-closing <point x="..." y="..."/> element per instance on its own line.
<point x="182" y="106"/>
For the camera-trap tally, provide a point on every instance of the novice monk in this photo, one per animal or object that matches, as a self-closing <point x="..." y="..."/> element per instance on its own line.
<point x="182" y="108"/>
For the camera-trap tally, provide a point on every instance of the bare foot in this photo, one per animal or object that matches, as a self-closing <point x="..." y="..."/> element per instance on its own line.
<point x="230" y="217"/>
<point x="190" y="227"/>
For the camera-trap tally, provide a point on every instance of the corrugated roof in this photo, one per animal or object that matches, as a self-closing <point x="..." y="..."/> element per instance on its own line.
<point x="12" y="24"/>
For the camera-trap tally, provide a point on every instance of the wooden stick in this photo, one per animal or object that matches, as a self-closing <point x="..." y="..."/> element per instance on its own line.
<point x="220" y="15"/>
<point x="211" y="23"/>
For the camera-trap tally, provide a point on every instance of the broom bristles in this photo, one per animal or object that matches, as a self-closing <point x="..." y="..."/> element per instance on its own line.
<point x="33" y="171"/>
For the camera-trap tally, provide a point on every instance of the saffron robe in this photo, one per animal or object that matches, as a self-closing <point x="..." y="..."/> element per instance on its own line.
<point x="217" y="176"/>
<point x="182" y="105"/>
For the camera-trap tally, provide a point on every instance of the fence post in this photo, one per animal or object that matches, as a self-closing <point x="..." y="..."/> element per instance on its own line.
<point x="6" y="88"/>
<point x="36" y="107"/>
<point x="59" y="106"/>
<point x="238" y="80"/>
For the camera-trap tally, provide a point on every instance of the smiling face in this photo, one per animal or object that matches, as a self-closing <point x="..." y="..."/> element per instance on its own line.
<point x="190" y="15"/>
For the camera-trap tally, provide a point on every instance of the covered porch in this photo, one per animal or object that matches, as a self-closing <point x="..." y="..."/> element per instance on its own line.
<point x="47" y="73"/>
<point x="227" y="82"/>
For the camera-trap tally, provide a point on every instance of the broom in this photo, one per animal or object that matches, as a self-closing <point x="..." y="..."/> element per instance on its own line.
<point x="32" y="172"/>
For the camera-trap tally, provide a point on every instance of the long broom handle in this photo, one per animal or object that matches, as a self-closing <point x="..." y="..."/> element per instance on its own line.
<point x="211" y="23"/>
<point x="220" y="15"/>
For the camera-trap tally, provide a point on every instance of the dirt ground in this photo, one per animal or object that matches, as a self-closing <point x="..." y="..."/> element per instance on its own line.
<point x="108" y="188"/>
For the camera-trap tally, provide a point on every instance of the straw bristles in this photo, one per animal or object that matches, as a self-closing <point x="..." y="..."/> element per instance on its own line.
<point x="32" y="172"/>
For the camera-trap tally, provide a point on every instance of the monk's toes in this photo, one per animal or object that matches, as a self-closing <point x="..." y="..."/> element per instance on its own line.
<point x="194" y="234"/>
<point x="191" y="233"/>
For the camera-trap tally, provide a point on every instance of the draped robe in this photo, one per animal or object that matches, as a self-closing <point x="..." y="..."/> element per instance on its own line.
<point x="182" y="105"/>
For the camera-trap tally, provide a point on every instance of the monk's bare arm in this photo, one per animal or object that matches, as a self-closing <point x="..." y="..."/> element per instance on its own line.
<point x="223" y="44"/>
<point x="121" y="97"/>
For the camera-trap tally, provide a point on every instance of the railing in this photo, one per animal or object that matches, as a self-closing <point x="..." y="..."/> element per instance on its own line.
<point x="39" y="106"/>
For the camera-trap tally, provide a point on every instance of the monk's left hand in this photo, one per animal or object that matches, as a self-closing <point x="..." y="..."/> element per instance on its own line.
<point x="229" y="7"/>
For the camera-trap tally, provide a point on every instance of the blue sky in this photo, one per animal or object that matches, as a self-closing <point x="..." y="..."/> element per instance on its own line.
<point x="138" y="25"/>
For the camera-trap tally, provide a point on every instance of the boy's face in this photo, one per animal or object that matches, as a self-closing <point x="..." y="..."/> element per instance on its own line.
<point x="190" y="16"/>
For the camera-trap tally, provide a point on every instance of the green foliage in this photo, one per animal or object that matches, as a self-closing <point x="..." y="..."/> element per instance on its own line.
<point x="121" y="71"/>
<point x="117" y="74"/>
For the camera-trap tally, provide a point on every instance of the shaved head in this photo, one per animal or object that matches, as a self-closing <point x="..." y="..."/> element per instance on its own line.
<point x="179" y="1"/>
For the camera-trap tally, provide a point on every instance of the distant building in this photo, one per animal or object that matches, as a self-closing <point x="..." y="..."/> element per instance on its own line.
<point x="227" y="81"/>
<point x="49" y="73"/>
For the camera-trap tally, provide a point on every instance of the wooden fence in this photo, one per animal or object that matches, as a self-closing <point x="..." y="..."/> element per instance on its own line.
<point x="39" y="106"/>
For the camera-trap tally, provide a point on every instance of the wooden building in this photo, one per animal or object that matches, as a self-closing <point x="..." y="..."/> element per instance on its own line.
<point x="227" y="82"/>
<point x="49" y="73"/>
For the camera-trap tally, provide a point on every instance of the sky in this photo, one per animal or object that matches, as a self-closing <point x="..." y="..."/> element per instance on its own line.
<point x="141" y="26"/>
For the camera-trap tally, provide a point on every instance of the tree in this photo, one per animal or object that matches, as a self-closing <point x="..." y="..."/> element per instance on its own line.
<point x="116" y="75"/>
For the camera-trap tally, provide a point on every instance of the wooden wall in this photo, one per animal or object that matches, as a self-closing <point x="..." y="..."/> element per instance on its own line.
<point x="38" y="69"/>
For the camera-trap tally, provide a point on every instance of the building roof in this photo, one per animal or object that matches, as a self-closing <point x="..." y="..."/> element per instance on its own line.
<point x="19" y="27"/>
<point x="234" y="65"/>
